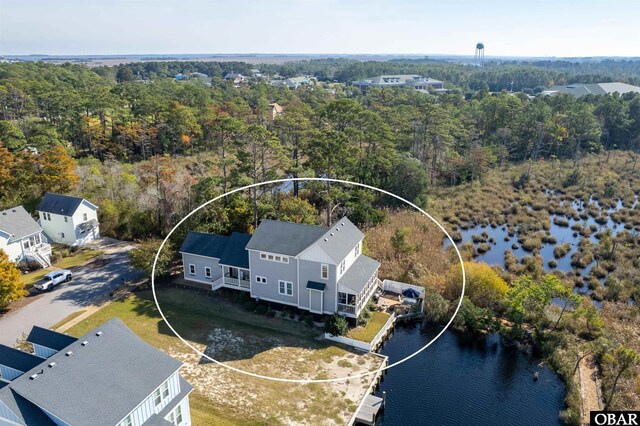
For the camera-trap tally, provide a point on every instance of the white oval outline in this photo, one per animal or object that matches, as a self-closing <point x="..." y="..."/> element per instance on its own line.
<point x="280" y="379"/>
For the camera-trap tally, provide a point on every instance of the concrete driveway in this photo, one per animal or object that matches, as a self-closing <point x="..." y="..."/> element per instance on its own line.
<point x="90" y="285"/>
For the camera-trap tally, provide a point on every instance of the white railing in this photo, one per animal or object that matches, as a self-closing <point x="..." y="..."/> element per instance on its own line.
<point x="231" y="281"/>
<point x="245" y="283"/>
<point x="215" y="284"/>
<point x="365" y="346"/>
<point x="40" y="253"/>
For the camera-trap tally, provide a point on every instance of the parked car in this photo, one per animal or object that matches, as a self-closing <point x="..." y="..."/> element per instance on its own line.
<point x="52" y="279"/>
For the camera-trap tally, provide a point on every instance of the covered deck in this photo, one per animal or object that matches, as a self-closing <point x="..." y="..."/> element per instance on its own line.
<point x="235" y="263"/>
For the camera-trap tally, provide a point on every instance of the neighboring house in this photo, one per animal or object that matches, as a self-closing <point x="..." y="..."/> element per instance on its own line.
<point x="274" y="111"/>
<point x="294" y="82"/>
<point x="68" y="220"/>
<point x="416" y="82"/>
<point x="255" y="73"/>
<point x="236" y="78"/>
<point x="318" y="269"/>
<point x="107" y="377"/>
<point x="580" y="89"/>
<point x="22" y="238"/>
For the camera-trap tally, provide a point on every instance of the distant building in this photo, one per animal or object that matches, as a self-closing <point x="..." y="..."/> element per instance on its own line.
<point x="274" y="111"/>
<point x="294" y="82"/>
<point x="581" y="89"/>
<point x="107" y="377"/>
<point x="237" y="79"/>
<point x="416" y="82"/>
<point x="256" y="73"/>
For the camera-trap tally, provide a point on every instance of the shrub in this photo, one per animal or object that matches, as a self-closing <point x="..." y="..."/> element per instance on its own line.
<point x="308" y="320"/>
<point x="561" y="250"/>
<point x="250" y="306"/>
<point x="261" y="309"/>
<point x="336" y="325"/>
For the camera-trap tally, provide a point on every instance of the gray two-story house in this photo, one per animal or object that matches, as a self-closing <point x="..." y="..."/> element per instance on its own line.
<point x="318" y="269"/>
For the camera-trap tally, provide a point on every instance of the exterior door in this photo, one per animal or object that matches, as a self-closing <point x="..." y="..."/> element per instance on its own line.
<point x="316" y="301"/>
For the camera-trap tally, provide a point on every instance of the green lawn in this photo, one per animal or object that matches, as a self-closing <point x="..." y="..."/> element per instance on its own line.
<point x="368" y="332"/>
<point x="79" y="258"/>
<point x="67" y="319"/>
<point x="295" y="351"/>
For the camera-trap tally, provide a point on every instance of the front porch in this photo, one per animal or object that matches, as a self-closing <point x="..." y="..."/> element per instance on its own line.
<point x="36" y="247"/>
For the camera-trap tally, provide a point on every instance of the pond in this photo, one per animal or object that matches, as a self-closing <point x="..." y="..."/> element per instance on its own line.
<point x="466" y="380"/>
<point x="501" y="242"/>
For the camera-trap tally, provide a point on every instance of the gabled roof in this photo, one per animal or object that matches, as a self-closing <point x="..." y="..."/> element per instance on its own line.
<point x="340" y="239"/>
<point x="101" y="382"/>
<point x="235" y="253"/>
<point x="202" y="244"/>
<point x="18" y="223"/>
<point x="61" y="204"/>
<point x="359" y="273"/>
<point x="284" y="237"/>
<point x="50" y="339"/>
<point x="18" y="359"/>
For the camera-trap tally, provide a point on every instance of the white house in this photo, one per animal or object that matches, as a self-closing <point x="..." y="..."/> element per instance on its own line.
<point x="21" y="237"/>
<point x="107" y="377"/>
<point x="68" y="220"/>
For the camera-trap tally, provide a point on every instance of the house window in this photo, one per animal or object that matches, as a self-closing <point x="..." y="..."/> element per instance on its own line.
<point x="285" y="287"/>
<point x="342" y="298"/>
<point x="66" y="219"/>
<point x="127" y="421"/>
<point x="274" y="257"/>
<point x="357" y="249"/>
<point x="207" y="272"/>
<point x="324" y="271"/>
<point x="62" y="234"/>
<point x="84" y="217"/>
<point x="175" y="416"/>
<point x="261" y="280"/>
<point x="161" y="394"/>
<point x="192" y="269"/>
<point x="342" y="265"/>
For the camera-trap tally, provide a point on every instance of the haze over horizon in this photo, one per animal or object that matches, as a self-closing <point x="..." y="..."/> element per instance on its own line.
<point x="560" y="28"/>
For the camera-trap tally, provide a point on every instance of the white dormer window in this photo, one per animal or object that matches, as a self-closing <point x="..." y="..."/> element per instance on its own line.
<point x="324" y="271"/>
<point x="356" y="251"/>
<point x="85" y="217"/>
<point x="161" y="394"/>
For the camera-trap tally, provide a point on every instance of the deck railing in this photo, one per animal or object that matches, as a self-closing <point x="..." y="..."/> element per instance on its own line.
<point x="347" y="309"/>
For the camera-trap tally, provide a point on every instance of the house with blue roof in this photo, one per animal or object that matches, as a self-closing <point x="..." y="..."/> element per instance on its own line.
<point x="68" y="220"/>
<point x="318" y="269"/>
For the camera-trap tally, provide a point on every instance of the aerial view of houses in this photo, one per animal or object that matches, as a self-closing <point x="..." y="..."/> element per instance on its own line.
<point x="319" y="213"/>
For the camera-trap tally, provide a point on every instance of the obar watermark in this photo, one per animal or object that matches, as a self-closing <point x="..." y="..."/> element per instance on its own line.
<point x="621" y="418"/>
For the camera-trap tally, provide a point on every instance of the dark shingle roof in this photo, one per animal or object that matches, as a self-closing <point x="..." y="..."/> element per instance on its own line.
<point x="284" y="237"/>
<point x="59" y="204"/>
<point x="314" y="285"/>
<point x="359" y="273"/>
<point x="101" y="382"/>
<point x="50" y="339"/>
<point x="18" y="359"/>
<point x="18" y="223"/>
<point x="235" y="254"/>
<point x="341" y="238"/>
<point x="203" y="244"/>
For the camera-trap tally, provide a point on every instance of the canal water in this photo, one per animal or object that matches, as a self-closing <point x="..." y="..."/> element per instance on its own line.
<point x="466" y="380"/>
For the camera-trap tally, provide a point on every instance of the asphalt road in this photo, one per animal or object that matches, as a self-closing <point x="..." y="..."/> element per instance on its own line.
<point x="90" y="285"/>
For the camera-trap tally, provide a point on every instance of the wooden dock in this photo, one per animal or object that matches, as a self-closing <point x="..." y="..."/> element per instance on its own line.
<point x="369" y="410"/>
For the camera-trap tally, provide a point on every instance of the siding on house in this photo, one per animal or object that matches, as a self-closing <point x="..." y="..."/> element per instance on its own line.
<point x="273" y="271"/>
<point x="201" y="262"/>
<point x="13" y="249"/>
<point x="43" y="351"/>
<point x="57" y="226"/>
<point x="311" y="271"/>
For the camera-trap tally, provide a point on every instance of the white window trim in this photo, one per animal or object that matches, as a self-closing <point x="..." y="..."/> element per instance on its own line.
<point x="160" y="393"/>
<point x="261" y="279"/>
<point x="286" y="284"/>
<point x="192" y="267"/>
<point x="274" y="257"/>
<point x="174" y="414"/>
<point x="207" y="271"/>
<point x="322" y="270"/>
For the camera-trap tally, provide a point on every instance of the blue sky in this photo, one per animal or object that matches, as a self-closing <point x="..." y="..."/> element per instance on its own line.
<point x="508" y="28"/>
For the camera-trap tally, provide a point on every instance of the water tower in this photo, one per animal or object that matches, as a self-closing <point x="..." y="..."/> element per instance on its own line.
<point x="479" y="56"/>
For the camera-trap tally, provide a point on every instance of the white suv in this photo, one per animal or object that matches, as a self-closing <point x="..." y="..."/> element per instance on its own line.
<point x="53" y="279"/>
